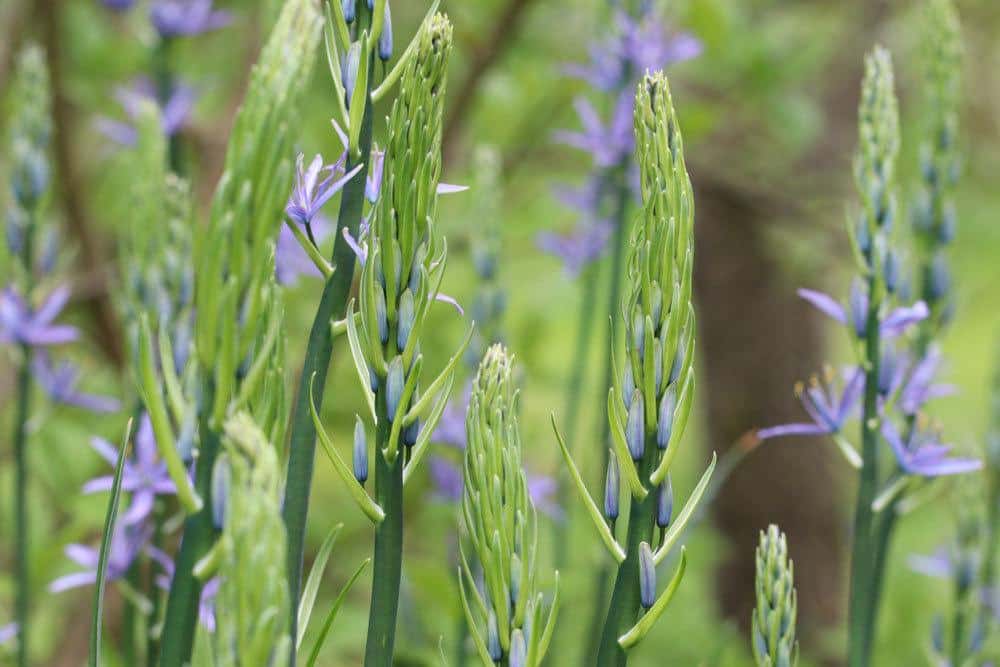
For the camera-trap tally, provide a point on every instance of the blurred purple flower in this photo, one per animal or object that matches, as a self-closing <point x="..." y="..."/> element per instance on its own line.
<point x="290" y="260"/>
<point x="894" y="324"/>
<point x="8" y="632"/>
<point x="451" y="427"/>
<point x="144" y="475"/>
<point x="920" y="387"/>
<point x="180" y="18"/>
<point x="206" y="604"/>
<point x="609" y="144"/>
<point x="578" y="248"/>
<point x="446" y="478"/>
<point x="126" y="543"/>
<point x="118" y="5"/>
<point x="59" y="383"/>
<point x="309" y="194"/>
<point x="827" y="408"/>
<point x="940" y="564"/>
<point x="20" y="324"/>
<point x="923" y="455"/>
<point x="174" y="113"/>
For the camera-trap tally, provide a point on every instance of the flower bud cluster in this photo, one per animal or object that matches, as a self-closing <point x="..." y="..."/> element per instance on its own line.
<point x="774" y="616"/>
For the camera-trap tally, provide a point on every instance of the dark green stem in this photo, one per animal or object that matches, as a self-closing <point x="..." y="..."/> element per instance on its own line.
<point x="388" y="559"/>
<point x="332" y="305"/>
<point x="624" y="607"/>
<point x="199" y="536"/>
<point x="21" y="504"/>
<point x="860" y="620"/>
<point x="987" y="570"/>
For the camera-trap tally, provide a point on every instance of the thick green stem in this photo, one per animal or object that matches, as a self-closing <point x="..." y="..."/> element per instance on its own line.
<point x="199" y="536"/>
<point x="22" y="603"/>
<point x="332" y="305"/>
<point x="388" y="560"/>
<point x="860" y="619"/>
<point x="623" y="609"/>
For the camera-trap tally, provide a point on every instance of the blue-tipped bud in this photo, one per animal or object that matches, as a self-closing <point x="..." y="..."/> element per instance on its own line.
<point x="612" y="490"/>
<point x="647" y="576"/>
<point x="350" y="11"/>
<point x="665" y="418"/>
<point x="394" y="386"/>
<point x="373" y="379"/>
<point x="411" y="433"/>
<point x="639" y="332"/>
<point x="863" y="236"/>
<point x="405" y="319"/>
<point x="385" y="39"/>
<point x="371" y="4"/>
<point x="888" y="370"/>
<point x="382" y="320"/>
<point x="515" y="579"/>
<point x="937" y="634"/>
<point x="939" y="283"/>
<point x="30" y="174"/>
<point x="675" y="369"/>
<point x="656" y="308"/>
<point x="892" y="271"/>
<point x="635" y="429"/>
<point x="349" y="71"/>
<point x="220" y="491"/>
<point x="858" y="306"/>
<point x="518" y="649"/>
<point x="628" y="385"/>
<point x="949" y="220"/>
<point x="657" y="364"/>
<point x="493" y="638"/>
<point x="665" y="503"/>
<point x="360" y="451"/>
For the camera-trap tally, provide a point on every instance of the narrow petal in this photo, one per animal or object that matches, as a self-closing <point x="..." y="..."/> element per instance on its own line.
<point x="825" y="303"/>
<point x="790" y="429"/>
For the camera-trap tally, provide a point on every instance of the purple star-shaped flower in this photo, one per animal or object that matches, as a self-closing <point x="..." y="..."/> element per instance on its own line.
<point x="893" y="325"/>
<point x="578" y="248"/>
<point x="923" y="455"/>
<point x="126" y="543"/>
<point x="206" y="604"/>
<point x="827" y="408"/>
<point x="181" y="18"/>
<point x="608" y="143"/>
<point x="60" y="384"/>
<point x="145" y="476"/>
<point x="174" y="112"/>
<point x="920" y="387"/>
<point x="20" y="324"/>
<point x="309" y="193"/>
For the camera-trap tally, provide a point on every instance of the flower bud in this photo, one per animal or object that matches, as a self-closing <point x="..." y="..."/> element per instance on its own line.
<point x="665" y="503"/>
<point x="628" y="385"/>
<point x="635" y="429"/>
<point x="349" y="71"/>
<point x="946" y="232"/>
<point x="675" y="368"/>
<point x="381" y="319"/>
<point x="518" y="649"/>
<point x="385" y="39"/>
<point x="411" y="433"/>
<point x="493" y="637"/>
<point x="220" y="490"/>
<point x="394" y="386"/>
<point x="612" y="490"/>
<point x="515" y="578"/>
<point x="350" y="11"/>
<point x="647" y="576"/>
<point x="891" y="271"/>
<point x="405" y="319"/>
<point x="638" y="332"/>
<point x="665" y="419"/>
<point x="858" y="303"/>
<point x="360" y="451"/>
<point x="940" y="278"/>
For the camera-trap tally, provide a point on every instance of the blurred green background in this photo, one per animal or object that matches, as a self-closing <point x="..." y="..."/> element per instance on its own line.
<point x="768" y="112"/>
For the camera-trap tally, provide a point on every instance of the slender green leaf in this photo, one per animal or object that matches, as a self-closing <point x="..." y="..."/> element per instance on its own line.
<point x="311" y="588"/>
<point x="332" y="614"/>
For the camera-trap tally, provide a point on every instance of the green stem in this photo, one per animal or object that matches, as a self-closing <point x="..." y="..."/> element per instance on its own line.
<point x="199" y="536"/>
<point x="624" y="606"/>
<point x="860" y="621"/>
<point x="987" y="570"/>
<point x="388" y="560"/>
<point x="21" y="503"/>
<point x="332" y="305"/>
<point x="883" y="540"/>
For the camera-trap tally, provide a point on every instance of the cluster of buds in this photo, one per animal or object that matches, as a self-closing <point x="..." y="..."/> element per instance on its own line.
<point x="30" y="132"/>
<point x="253" y="600"/>
<point x="774" y="616"/>
<point x="501" y="526"/>
<point x="650" y="401"/>
<point x="934" y="215"/>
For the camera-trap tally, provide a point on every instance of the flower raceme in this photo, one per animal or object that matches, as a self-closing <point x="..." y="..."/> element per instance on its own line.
<point x="499" y="519"/>
<point x="774" y="616"/>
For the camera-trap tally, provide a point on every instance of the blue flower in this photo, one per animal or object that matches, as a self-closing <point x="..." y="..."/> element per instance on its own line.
<point x="20" y="324"/>
<point x="923" y="455"/>
<point x="309" y="193"/>
<point x="8" y="632"/>
<point x="60" y="384"/>
<point x="582" y="245"/>
<point x="145" y="476"/>
<point x="174" y="111"/>
<point x="206" y="604"/>
<point x="893" y="325"/>
<point x="126" y="543"/>
<point x="180" y="18"/>
<point x="827" y="408"/>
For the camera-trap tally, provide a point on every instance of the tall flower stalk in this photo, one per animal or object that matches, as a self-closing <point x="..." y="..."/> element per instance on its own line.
<point x="238" y="334"/>
<point x="403" y="261"/>
<point x="650" y="398"/>
<point x="507" y="611"/>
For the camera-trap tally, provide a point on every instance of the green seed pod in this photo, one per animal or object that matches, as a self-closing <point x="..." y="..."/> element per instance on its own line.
<point x="774" y="617"/>
<point x="500" y="519"/>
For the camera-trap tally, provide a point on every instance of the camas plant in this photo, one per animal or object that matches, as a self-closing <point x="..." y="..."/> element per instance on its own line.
<point x="650" y="400"/>
<point x="506" y="613"/>
<point x="774" y="616"/>
<point x="238" y="337"/>
<point x="403" y="261"/>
